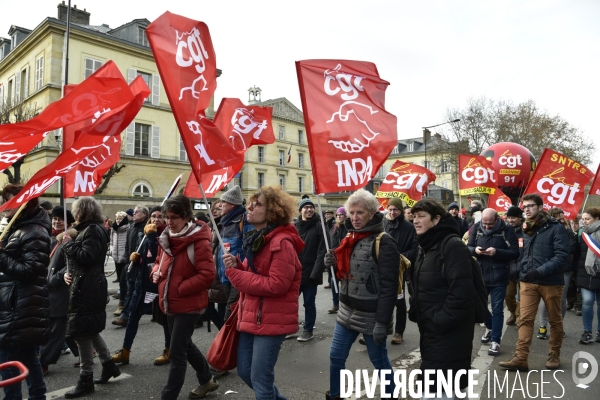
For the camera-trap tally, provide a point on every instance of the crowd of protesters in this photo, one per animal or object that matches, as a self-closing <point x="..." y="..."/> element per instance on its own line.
<point x="262" y="255"/>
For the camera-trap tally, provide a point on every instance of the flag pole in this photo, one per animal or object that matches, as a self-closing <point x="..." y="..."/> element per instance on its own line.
<point x="334" y="282"/>
<point x="584" y="202"/>
<point x="12" y="220"/>
<point x="212" y="219"/>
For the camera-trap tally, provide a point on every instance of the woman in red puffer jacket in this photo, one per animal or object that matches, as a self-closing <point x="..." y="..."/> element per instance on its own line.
<point x="184" y="270"/>
<point x="269" y="283"/>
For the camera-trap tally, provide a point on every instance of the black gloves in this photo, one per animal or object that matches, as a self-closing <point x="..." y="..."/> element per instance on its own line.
<point x="531" y="276"/>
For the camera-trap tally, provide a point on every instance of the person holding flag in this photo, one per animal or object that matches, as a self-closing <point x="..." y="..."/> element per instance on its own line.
<point x="588" y="274"/>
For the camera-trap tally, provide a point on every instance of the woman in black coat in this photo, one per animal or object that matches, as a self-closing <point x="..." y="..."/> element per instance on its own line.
<point x="588" y="279"/>
<point x="87" y="303"/>
<point x="443" y="291"/>
<point x="23" y="294"/>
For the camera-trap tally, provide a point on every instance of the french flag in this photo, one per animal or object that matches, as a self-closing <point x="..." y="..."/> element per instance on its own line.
<point x="289" y="154"/>
<point x="591" y="243"/>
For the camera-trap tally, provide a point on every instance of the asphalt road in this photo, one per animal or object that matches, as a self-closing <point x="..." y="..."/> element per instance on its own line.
<point x="302" y="371"/>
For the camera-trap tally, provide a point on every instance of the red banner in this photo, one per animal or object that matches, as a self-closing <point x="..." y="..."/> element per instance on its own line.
<point x="90" y="148"/>
<point x="244" y="126"/>
<point x="407" y="181"/>
<point x="185" y="58"/>
<point x="595" y="188"/>
<point x="560" y="181"/>
<point x="94" y="95"/>
<point x="476" y="175"/>
<point x="350" y="134"/>
<point x="499" y="201"/>
<point x="212" y="182"/>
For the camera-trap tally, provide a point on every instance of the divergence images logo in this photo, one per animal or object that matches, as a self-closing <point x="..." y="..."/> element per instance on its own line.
<point x="582" y="368"/>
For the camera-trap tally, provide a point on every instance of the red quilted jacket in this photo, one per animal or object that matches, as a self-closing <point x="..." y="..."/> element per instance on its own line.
<point x="183" y="286"/>
<point x="269" y="298"/>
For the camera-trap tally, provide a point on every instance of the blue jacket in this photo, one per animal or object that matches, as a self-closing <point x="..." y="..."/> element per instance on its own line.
<point x="231" y="233"/>
<point x="547" y="250"/>
<point x="503" y="238"/>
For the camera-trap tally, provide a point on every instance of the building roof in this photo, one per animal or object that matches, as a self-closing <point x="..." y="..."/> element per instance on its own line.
<point x="104" y="28"/>
<point x="284" y="109"/>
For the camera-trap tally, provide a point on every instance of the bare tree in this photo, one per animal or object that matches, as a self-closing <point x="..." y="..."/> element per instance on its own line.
<point x="112" y="171"/>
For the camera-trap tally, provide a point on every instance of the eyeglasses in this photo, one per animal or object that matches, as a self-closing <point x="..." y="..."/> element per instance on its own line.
<point x="254" y="204"/>
<point x="525" y="206"/>
<point x="340" y="215"/>
<point x="309" y="207"/>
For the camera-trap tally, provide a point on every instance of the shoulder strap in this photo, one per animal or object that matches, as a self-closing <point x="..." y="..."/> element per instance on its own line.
<point x="242" y="224"/>
<point x="377" y="242"/>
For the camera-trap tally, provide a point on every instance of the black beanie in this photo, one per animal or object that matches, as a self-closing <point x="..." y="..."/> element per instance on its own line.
<point x="514" y="211"/>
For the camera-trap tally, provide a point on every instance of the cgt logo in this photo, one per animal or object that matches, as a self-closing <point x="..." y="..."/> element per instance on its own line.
<point x="582" y="368"/>
<point x="243" y="123"/>
<point x="558" y="190"/>
<point x="349" y="84"/>
<point x="503" y="203"/>
<point x="473" y="171"/>
<point x="510" y="161"/>
<point x="406" y="180"/>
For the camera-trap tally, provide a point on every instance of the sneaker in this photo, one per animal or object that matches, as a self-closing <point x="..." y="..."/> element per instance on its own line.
<point x="397" y="338"/>
<point x="542" y="332"/>
<point x="217" y="373"/>
<point x="586" y="338"/>
<point x="333" y="310"/>
<point x="514" y="364"/>
<point x="487" y="336"/>
<point x="119" y="322"/>
<point x="119" y="310"/>
<point x="306" y="336"/>
<point x="598" y="337"/>
<point x="553" y="361"/>
<point x="578" y="313"/>
<point x="202" y="390"/>
<point x="65" y="350"/>
<point x="494" y="349"/>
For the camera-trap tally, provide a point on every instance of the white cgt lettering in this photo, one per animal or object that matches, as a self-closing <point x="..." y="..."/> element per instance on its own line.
<point x="406" y="181"/>
<point x="559" y="192"/>
<point x="191" y="51"/>
<point x="510" y="161"/>
<point x="501" y="203"/>
<point x="217" y="181"/>
<point x="354" y="172"/>
<point x="479" y="174"/>
<point x="347" y="83"/>
<point x="84" y="183"/>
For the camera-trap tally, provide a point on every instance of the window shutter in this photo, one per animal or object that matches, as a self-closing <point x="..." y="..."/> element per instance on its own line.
<point x="155" y="149"/>
<point x="26" y="91"/>
<point x="130" y="139"/>
<point x="155" y="90"/>
<point x="131" y="75"/>
<point x="17" y="92"/>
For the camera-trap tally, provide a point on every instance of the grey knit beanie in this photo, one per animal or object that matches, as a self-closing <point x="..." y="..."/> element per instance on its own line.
<point x="233" y="196"/>
<point x="304" y="202"/>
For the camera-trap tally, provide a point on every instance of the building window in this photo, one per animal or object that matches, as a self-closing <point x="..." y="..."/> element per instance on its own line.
<point x="444" y="167"/>
<point x="445" y="184"/>
<point x="13" y="41"/>
<point x="23" y="92"/>
<point x="300" y="160"/>
<point x="261" y="155"/>
<point x="148" y="79"/>
<point x="9" y="92"/>
<point x="281" y="132"/>
<point x="301" y="184"/>
<point x="237" y="179"/>
<point x="141" y="190"/>
<point x="300" y="134"/>
<point x="261" y="179"/>
<point x="282" y="182"/>
<point x="182" y="153"/>
<point x="39" y="73"/>
<point x="142" y="137"/>
<point x="142" y="38"/>
<point x="395" y="150"/>
<point x="91" y="66"/>
<point x="410" y="147"/>
<point x="427" y="164"/>
<point x="381" y="172"/>
<point x="281" y="157"/>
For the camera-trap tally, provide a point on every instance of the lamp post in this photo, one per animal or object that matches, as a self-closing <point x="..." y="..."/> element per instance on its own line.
<point x="427" y="136"/>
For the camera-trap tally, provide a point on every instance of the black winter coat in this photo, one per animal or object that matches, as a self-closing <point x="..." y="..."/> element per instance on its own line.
<point x="313" y="254"/>
<point x="495" y="269"/>
<point x="87" y="293"/>
<point x="58" y="290"/>
<point x="547" y="250"/>
<point x="585" y="280"/>
<point x="443" y="304"/>
<point x="135" y="235"/>
<point x="514" y="266"/>
<point x="23" y="293"/>
<point x="404" y="235"/>
<point x="463" y="225"/>
<point x="143" y="283"/>
<point x="338" y="232"/>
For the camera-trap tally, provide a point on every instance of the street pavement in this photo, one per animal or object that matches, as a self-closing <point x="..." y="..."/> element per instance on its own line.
<point x="302" y="371"/>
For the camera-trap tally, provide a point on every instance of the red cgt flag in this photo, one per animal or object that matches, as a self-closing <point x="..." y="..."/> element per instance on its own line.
<point x="89" y="148"/>
<point x="83" y="180"/>
<point x="560" y="181"/>
<point x="476" y="175"/>
<point x="499" y="201"/>
<point x="350" y="134"/>
<point x="244" y="126"/>
<point x="186" y="61"/>
<point x="104" y="89"/>
<point x="595" y="188"/>
<point x="213" y="182"/>
<point x="407" y="181"/>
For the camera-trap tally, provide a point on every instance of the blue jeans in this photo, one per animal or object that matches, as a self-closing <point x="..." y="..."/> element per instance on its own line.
<point x="256" y="359"/>
<point x="495" y="319"/>
<point x="587" y="308"/>
<point x="336" y="295"/>
<point x="309" y="294"/>
<point x="342" y="341"/>
<point x="35" y="380"/>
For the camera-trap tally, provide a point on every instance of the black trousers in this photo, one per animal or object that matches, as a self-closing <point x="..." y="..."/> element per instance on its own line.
<point x="401" y="313"/>
<point x="50" y="352"/>
<point x="182" y="351"/>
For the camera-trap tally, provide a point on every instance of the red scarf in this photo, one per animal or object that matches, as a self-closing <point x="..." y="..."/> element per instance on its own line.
<point x="343" y="252"/>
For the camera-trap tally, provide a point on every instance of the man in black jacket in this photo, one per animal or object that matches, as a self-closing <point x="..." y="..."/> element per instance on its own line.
<point x="312" y="258"/>
<point x="405" y="236"/>
<point x="545" y="254"/>
<point x="135" y="235"/>
<point x="514" y="217"/>
<point x="494" y="244"/>
<point x="462" y="224"/>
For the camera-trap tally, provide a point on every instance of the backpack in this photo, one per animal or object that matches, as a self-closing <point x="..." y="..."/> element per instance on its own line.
<point x="480" y="298"/>
<point x="480" y="233"/>
<point x="403" y="265"/>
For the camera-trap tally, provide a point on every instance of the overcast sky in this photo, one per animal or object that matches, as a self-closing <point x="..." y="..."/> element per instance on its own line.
<point x="436" y="54"/>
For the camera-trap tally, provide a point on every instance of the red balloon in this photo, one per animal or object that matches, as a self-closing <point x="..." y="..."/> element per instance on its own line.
<point x="514" y="165"/>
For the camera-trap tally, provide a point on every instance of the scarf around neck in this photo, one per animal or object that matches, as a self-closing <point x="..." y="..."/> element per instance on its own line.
<point x="254" y="241"/>
<point x="591" y="261"/>
<point x="532" y="225"/>
<point x="344" y="251"/>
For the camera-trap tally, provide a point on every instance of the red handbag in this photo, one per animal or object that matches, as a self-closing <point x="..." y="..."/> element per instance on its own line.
<point x="222" y="353"/>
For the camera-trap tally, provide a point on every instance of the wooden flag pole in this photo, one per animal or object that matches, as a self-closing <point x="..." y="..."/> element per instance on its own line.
<point x="12" y="220"/>
<point x="212" y="219"/>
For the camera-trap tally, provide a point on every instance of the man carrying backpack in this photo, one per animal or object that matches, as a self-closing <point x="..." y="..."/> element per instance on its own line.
<point x="494" y="244"/>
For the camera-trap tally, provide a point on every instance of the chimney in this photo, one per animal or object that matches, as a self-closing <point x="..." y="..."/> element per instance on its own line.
<point x="77" y="16"/>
